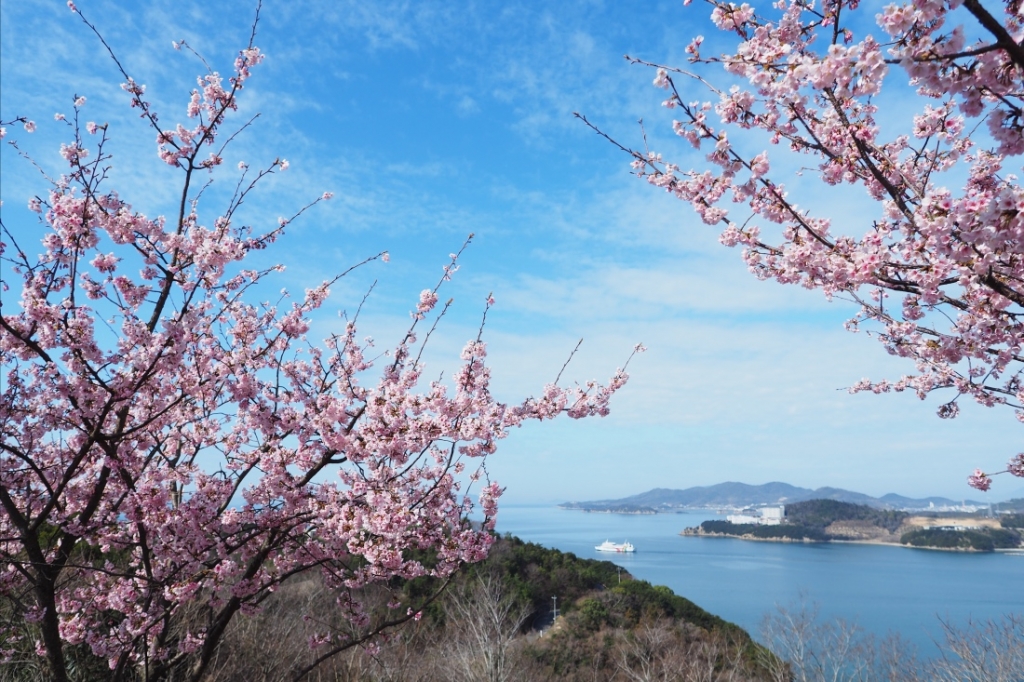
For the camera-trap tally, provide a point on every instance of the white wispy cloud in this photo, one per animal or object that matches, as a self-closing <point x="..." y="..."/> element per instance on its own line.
<point x="430" y="121"/>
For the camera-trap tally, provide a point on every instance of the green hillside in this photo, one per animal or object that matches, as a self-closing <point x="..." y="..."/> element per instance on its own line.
<point x="822" y="513"/>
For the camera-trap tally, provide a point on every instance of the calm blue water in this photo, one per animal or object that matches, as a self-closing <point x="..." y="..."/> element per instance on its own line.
<point x="884" y="589"/>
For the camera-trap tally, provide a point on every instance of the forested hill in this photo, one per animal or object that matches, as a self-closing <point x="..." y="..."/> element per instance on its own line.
<point x="823" y="513"/>
<point x="534" y="574"/>
<point x="608" y="621"/>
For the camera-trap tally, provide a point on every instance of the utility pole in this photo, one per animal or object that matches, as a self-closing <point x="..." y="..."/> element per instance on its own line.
<point x="618" y="570"/>
<point x="554" y="611"/>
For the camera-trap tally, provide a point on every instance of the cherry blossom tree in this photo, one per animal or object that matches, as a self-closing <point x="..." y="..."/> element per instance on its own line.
<point x="938" y="269"/>
<point x="174" y="450"/>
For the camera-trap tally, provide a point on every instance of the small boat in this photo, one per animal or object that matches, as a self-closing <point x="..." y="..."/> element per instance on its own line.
<point x="609" y="546"/>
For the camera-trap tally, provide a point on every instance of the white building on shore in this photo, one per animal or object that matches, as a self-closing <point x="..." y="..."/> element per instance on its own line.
<point x="766" y="516"/>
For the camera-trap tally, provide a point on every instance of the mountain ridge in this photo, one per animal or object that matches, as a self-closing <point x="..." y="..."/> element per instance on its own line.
<point x="732" y="494"/>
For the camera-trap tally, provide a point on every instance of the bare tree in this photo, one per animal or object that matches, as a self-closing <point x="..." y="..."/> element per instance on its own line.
<point x="896" y="661"/>
<point x="714" y="658"/>
<point x="409" y="656"/>
<point x="806" y="649"/>
<point x="268" y="646"/>
<point x="991" y="651"/>
<point x="484" y="619"/>
<point x="642" y="653"/>
<point x="663" y="651"/>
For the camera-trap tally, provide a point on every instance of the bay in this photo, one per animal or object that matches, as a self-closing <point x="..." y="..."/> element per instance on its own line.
<point x="883" y="589"/>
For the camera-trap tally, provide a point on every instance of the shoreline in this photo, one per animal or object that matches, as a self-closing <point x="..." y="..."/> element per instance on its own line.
<point x="808" y="541"/>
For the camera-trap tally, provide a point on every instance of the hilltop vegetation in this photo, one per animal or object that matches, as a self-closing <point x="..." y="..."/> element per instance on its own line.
<point x="1012" y="520"/>
<point x="759" y="532"/>
<point x="979" y="540"/>
<point x="823" y="513"/>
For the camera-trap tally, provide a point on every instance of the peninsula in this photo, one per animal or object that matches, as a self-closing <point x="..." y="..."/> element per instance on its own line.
<point x="833" y="521"/>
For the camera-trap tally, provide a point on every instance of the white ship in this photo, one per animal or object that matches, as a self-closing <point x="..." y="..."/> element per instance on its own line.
<point x="609" y="546"/>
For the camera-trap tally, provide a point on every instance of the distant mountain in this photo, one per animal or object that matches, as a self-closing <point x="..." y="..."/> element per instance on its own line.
<point x="901" y="501"/>
<point x="1014" y="505"/>
<point x="737" y="495"/>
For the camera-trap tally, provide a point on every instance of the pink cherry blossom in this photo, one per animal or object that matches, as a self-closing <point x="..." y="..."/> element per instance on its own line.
<point x="173" y="444"/>
<point x="934" y="260"/>
<point x="979" y="480"/>
<point x="428" y="299"/>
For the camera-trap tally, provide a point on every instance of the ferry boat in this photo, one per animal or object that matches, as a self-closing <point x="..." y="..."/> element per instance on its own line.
<point x="609" y="546"/>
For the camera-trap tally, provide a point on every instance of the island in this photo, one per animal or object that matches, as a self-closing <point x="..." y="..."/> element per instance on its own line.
<point x="609" y="508"/>
<point x="834" y="521"/>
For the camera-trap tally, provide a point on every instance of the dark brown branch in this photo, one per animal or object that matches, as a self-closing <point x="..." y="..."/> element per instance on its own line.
<point x="1003" y="38"/>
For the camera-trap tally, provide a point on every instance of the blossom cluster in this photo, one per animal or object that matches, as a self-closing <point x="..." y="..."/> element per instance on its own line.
<point x="195" y="447"/>
<point x="936" y="271"/>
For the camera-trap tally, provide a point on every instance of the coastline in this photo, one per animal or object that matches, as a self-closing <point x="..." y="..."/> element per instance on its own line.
<point x="809" y="541"/>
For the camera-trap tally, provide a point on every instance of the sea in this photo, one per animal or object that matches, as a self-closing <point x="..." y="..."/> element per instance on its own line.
<point x="882" y="589"/>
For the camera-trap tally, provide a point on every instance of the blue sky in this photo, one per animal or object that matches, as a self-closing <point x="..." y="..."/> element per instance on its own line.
<point x="433" y="120"/>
